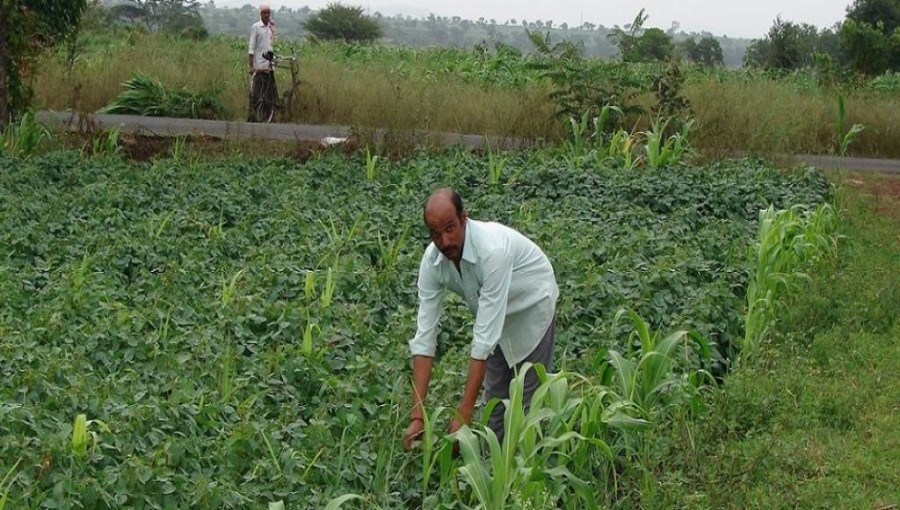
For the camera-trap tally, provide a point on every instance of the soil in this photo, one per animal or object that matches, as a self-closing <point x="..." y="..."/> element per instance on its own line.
<point x="884" y="191"/>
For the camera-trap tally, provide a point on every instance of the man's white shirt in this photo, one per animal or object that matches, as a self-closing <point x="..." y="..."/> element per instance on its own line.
<point x="506" y="281"/>
<point x="260" y="42"/>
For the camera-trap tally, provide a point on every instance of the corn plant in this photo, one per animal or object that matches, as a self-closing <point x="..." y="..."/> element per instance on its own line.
<point x="108" y="145"/>
<point x="649" y="378"/>
<point x="272" y="455"/>
<point x="337" y="502"/>
<point x="82" y="435"/>
<point x="390" y="252"/>
<point x="661" y="151"/>
<point x="307" y="346"/>
<point x="787" y="240"/>
<point x="845" y="138"/>
<point x="180" y="154"/>
<point x="371" y="163"/>
<point x="339" y="238"/>
<point x="436" y="451"/>
<point x="328" y="291"/>
<point x="586" y="131"/>
<point x="4" y="488"/>
<point x="309" y="286"/>
<point x="25" y="138"/>
<point x="496" y="165"/>
<point x="229" y="287"/>
<point x="528" y="465"/>
<point x="579" y="135"/>
<point x="226" y="374"/>
<point x="162" y="225"/>
<point x="620" y="149"/>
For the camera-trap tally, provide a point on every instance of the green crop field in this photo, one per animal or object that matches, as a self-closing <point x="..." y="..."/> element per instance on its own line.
<point x="234" y="331"/>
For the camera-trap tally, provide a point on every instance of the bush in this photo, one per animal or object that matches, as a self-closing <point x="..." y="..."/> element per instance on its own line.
<point x="145" y="95"/>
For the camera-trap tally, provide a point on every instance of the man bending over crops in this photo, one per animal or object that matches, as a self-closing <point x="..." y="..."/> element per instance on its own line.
<point x="262" y="78"/>
<point x="507" y="282"/>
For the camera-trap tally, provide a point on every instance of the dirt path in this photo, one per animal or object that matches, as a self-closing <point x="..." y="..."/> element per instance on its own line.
<point x="167" y="127"/>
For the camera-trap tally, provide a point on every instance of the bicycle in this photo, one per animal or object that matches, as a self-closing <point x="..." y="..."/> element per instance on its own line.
<point x="264" y="110"/>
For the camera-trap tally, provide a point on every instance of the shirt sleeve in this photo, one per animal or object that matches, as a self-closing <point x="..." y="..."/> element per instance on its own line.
<point x="252" y="44"/>
<point x="497" y="275"/>
<point x="431" y="298"/>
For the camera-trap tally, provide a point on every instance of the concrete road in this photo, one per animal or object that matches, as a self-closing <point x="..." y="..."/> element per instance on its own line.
<point x="165" y="126"/>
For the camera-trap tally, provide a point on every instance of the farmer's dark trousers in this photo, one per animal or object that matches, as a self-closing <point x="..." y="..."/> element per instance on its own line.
<point x="499" y="374"/>
<point x="262" y="91"/>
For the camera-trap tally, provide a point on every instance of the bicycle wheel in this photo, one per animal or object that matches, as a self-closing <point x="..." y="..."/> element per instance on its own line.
<point x="262" y="97"/>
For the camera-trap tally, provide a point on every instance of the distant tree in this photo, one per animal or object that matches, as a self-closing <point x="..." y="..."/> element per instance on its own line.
<point x="175" y="16"/>
<point x="652" y="45"/>
<point x="787" y="46"/>
<point x="26" y="28"/>
<point x="875" y="12"/>
<point x="870" y="36"/>
<point x="346" y="23"/>
<point x="868" y="50"/>
<point x="707" y="52"/>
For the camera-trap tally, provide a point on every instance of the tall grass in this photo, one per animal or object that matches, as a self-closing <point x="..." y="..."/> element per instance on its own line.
<point x="768" y="117"/>
<point x="757" y="115"/>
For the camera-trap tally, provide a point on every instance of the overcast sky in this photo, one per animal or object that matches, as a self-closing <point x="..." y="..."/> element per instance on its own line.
<point x="746" y="18"/>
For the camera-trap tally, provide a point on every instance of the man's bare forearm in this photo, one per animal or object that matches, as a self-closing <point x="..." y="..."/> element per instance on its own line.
<point x="421" y="376"/>
<point x="250" y="61"/>
<point x="477" y="369"/>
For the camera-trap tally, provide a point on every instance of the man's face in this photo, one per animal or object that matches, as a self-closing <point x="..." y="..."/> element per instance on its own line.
<point x="447" y="229"/>
<point x="264" y="15"/>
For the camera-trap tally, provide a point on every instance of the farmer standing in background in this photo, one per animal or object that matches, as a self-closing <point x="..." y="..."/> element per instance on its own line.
<point x="262" y="41"/>
<point x="508" y="284"/>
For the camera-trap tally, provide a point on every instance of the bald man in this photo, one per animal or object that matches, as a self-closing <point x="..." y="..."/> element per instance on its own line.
<point x="508" y="284"/>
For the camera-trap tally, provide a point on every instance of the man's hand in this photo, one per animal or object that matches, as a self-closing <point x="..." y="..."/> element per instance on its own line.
<point x="455" y="425"/>
<point x="413" y="432"/>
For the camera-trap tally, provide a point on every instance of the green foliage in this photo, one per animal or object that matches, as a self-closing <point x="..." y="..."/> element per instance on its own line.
<point x="870" y="51"/>
<point x="656" y="376"/>
<point x="583" y="87"/>
<point x="808" y="421"/>
<point x="145" y="95"/>
<point x="652" y="45"/>
<point x="885" y="13"/>
<point x="180" y="17"/>
<point x="121" y="301"/>
<point x="25" y="138"/>
<point x="789" y="240"/>
<point x="496" y="164"/>
<point x="669" y="90"/>
<point x="106" y="145"/>
<point x="707" y="52"/>
<point x="29" y="26"/>
<point x="531" y="467"/>
<point x="887" y="82"/>
<point x="371" y="164"/>
<point x="787" y="46"/>
<point x="82" y="435"/>
<point x="343" y="23"/>
<point x="663" y="150"/>
<point x="845" y="138"/>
